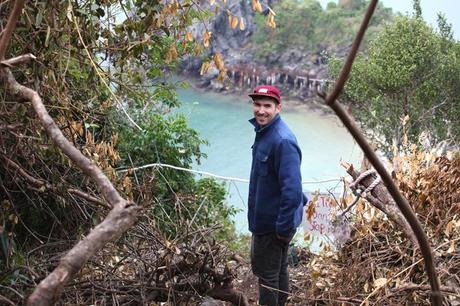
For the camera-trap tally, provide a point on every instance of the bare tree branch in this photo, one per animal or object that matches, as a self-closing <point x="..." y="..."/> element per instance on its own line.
<point x="121" y="217"/>
<point x="38" y="183"/>
<point x="4" y="299"/>
<point x="10" y="26"/>
<point x="381" y="199"/>
<point x="87" y="166"/>
<point x="18" y="60"/>
<point x="87" y="197"/>
<point x="402" y="203"/>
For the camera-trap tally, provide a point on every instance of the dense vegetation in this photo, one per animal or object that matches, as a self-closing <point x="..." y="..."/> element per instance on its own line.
<point x="102" y="71"/>
<point x="307" y="26"/>
<point x="405" y="87"/>
<point x="379" y="265"/>
<point x="104" y="81"/>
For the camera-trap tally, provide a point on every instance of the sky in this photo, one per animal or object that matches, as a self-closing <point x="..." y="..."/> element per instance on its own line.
<point x="430" y="9"/>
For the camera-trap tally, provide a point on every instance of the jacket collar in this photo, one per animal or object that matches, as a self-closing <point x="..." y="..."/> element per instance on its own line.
<point x="262" y="129"/>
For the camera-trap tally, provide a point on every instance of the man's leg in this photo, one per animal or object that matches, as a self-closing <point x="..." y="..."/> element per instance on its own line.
<point x="266" y="260"/>
<point x="284" y="277"/>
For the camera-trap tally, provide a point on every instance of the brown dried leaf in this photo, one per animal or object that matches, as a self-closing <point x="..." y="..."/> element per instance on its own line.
<point x="205" y="68"/>
<point x="206" y="37"/>
<point x="218" y="61"/>
<point x="256" y="6"/>
<point x="188" y="36"/>
<point x="242" y="25"/>
<point x="234" y="23"/>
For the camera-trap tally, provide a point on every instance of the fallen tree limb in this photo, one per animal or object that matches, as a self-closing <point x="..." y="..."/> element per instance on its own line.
<point x="382" y="200"/>
<point x="18" y="60"/>
<point x="406" y="287"/>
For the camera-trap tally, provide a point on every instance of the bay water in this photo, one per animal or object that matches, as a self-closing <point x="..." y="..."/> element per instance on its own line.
<point x="223" y="121"/>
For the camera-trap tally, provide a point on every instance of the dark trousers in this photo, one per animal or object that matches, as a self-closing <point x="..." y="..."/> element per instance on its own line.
<point x="269" y="264"/>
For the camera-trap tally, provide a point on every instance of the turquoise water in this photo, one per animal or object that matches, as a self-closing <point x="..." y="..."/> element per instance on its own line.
<point x="223" y="121"/>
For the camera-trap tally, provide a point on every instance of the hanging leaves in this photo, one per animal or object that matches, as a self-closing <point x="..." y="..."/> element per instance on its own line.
<point x="234" y="23"/>
<point x="206" y="38"/>
<point x="242" y="25"/>
<point x="311" y="210"/>
<point x="230" y="17"/>
<point x="205" y="67"/>
<point x="221" y="76"/>
<point x="256" y="6"/>
<point x="188" y="36"/>
<point x="271" y="19"/>
<point x="218" y="61"/>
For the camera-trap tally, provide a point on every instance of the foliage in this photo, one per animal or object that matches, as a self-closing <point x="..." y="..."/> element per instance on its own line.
<point x="407" y="84"/>
<point x="306" y="25"/>
<point x="379" y="265"/>
<point x="166" y="139"/>
<point x="102" y="71"/>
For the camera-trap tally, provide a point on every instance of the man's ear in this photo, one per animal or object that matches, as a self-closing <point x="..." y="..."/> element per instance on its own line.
<point x="278" y="107"/>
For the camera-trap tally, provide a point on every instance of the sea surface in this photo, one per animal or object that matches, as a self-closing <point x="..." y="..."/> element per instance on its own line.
<point x="223" y="121"/>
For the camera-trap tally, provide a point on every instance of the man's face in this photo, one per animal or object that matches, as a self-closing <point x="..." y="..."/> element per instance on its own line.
<point x="265" y="109"/>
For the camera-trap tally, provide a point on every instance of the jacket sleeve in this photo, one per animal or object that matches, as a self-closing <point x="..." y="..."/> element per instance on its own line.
<point x="287" y="162"/>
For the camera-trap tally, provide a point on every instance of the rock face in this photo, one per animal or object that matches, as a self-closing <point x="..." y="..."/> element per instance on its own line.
<point x="225" y="40"/>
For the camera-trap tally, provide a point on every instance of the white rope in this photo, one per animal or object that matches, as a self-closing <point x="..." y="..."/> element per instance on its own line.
<point x="227" y="178"/>
<point x="159" y="165"/>
<point x="361" y="177"/>
<point x="377" y="180"/>
<point x="373" y="185"/>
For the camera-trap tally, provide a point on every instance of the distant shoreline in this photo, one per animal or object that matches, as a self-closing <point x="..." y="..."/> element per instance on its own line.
<point x="289" y="104"/>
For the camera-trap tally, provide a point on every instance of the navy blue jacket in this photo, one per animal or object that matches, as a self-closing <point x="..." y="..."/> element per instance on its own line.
<point x="275" y="202"/>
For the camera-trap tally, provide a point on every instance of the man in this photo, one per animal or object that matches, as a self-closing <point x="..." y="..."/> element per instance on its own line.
<point x="275" y="195"/>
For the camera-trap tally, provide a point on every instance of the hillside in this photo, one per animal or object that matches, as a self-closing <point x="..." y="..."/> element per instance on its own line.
<point x="305" y="37"/>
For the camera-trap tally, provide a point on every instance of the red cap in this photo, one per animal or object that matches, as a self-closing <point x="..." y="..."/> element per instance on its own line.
<point x="267" y="91"/>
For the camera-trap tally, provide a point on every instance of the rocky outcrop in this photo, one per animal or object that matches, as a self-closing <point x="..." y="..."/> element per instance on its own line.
<point x="296" y="70"/>
<point x="229" y="42"/>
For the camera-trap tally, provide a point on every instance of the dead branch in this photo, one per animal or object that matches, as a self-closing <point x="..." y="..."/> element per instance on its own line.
<point x="87" y="197"/>
<point x="39" y="183"/>
<point x="146" y="268"/>
<point x="10" y="26"/>
<point x="120" y="219"/>
<point x="9" y="126"/>
<point x="331" y="100"/>
<point x="4" y="299"/>
<point x="382" y="200"/>
<point x="22" y="59"/>
<point x="409" y="287"/>
<point x="32" y="180"/>
<point x="403" y="288"/>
